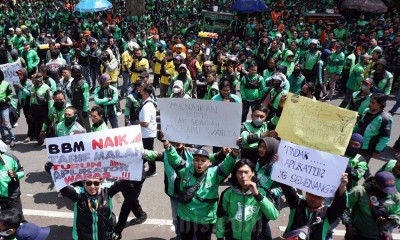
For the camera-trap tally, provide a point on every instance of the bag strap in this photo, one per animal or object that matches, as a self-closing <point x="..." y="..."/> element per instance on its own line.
<point x="197" y="184"/>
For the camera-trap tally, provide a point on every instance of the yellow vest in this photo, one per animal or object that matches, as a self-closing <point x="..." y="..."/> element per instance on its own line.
<point x="157" y="66"/>
<point x="126" y="59"/>
<point x="169" y="69"/>
<point x="142" y="64"/>
<point x="113" y="74"/>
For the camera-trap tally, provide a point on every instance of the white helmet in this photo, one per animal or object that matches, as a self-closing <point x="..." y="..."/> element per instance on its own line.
<point x="314" y="41"/>
<point x="132" y="46"/>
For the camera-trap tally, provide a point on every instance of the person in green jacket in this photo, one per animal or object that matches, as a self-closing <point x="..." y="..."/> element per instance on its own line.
<point x="198" y="187"/>
<point x="225" y="93"/>
<point x="55" y="115"/>
<point x="360" y="99"/>
<point x="296" y="80"/>
<point x="383" y="79"/>
<point x="31" y="58"/>
<point x="178" y="90"/>
<point x="280" y="88"/>
<point x="132" y="104"/>
<point x="288" y="62"/>
<point x="98" y="124"/>
<point x="243" y="204"/>
<point x="357" y="165"/>
<point x="6" y="95"/>
<point x="333" y="70"/>
<point x="252" y="87"/>
<point x="69" y="126"/>
<point x="186" y="80"/>
<point x="375" y="209"/>
<point x="212" y="86"/>
<point x="393" y="166"/>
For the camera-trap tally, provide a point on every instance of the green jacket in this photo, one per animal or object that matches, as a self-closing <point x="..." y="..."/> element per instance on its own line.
<point x="359" y="103"/>
<point x="357" y="167"/>
<point x="265" y="181"/>
<point x="8" y="187"/>
<point x="62" y="130"/>
<point x="102" y="127"/>
<point x="356" y="76"/>
<point x="310" y="59"/>
<point x="296" y="83"/>
<point x="6" y="94"/>
<point x="203" y="207"/>
<point x="131" y="104"/>
<point x="187" y="86"/>
<point x="335" y="63"/>
<point x="212" y="90"/>
<point x="389" y="168"/>
<point x="51" y="83"/>
<point x="252" y="87"/>
<point x="385" y="84"/>
<point x="242" y="211"/>
<point x="41" y="95"/>
<point x="377" y="132"/>
<point x="349" y="62"/>
<point x="54" y="117"/>
<point x="32" y="59"/>
<point x="251" y="134"/>
<point x="107" y="101"/>
<point x="287" y="64"/>
<point x="361" y="215"/>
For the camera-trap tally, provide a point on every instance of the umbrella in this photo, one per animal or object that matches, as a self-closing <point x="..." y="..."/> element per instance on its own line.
<point x="249" y="6"/>
<point x="93" y="5"/>
<point x="375" y="6"/>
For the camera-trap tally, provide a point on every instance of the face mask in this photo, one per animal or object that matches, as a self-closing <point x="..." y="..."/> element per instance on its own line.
<point x="176" y="90"/>
<point x="69" y="120"/>
<point x="98" y="123"/>
<point x="257" y="122"/>
<point x="363" y="88"/>
<point x="159" y="49"/>
<point x="351" y="151"/>
<point x="4" y="233"/>
<point x="296" y="72"/>
<point x="182" y="74"/>
<point x="59" y="105"/>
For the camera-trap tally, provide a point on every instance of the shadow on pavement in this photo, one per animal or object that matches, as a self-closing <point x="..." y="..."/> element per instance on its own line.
<point x="60" y="232"/>
<point x="387" y="155"/>
<point x="42" y="177"/>
<point x="51" y="198"/>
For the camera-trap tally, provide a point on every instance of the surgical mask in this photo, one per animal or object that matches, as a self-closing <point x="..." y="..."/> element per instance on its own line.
<point x="68" y="121"/>
<point x="59" y="105"/>
<point x="4" y="233"/>
<point x="352" y="151"/>
<point x="363" y="88"/>
<point x="176" y="90"/>
<point x="257" y="122"/>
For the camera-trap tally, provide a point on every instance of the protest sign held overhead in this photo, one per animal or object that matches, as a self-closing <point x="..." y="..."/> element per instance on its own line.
<point x="200" y="122"/>
<point x="114" y="153"/>
<point x="307" y="169"/>
<point x="10" y="72"/>
<point x="316" y="125"/>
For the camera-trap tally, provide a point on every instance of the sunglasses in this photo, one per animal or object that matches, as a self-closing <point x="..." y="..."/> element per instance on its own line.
<point x="89" y="183"/>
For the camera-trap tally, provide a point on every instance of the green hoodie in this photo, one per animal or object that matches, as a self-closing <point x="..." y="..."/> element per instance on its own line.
<point x="252" y="87"/>
<point x="287" y="64"/>
<point x="243" y="210"/>
<point x="203" y="207"/>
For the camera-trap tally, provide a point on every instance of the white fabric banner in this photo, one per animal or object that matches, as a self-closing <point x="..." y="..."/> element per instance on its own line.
<point x="202" y="122"/>
<point x="307" y="169"/>
<point x="114" y="153"/>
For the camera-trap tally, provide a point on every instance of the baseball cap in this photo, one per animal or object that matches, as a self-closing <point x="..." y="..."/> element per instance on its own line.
<point x="92" y="40"/>
<point x="201" y="152"/>
<point x="11" y="29"/>
<point x="178" y="45"/>
<point x="18" y="29"/>
<point x="30" y="231"/>
<point x="178" y="84"/>
<point x="104" y="78"/>
<point x="368" y="81"/>
<point x="144" y="74"/>
<point x="386" y="181"/>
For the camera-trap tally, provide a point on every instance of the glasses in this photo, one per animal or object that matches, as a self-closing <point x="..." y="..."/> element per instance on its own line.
<point x="89" y="183"/>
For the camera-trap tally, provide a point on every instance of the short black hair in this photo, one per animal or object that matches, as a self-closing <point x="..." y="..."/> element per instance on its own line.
<point x="98" y="109"/>
<point x="58" y="92"/>
<point x="261" y="108"/>
<point x="380" y="99"/>
<point x="148" y="89"/>
<point x="224" y="83"/>
<point x="11" y="218"/>
<point x="68" y="68"/>
<point x="73" y="109"/>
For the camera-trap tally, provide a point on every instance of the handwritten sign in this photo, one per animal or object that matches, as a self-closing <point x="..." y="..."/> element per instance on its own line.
<point x="10" y="72"/>
<point x="316" y="125"/>
<point x="115" y="153"/>
<point x="202" y="122"/>
<point x="307" y="169"/>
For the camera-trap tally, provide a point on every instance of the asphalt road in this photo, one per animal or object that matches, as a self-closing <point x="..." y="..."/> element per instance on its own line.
<point x="43" y="207"/>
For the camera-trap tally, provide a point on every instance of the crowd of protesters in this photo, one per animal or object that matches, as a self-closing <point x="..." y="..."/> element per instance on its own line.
<point x="126" y="62"/>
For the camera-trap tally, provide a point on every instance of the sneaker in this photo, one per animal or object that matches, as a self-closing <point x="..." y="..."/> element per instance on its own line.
<point x="391" y="112"/>
<point x="116" y="236"/>
<point x="119" y="113"/>
<point x="28" y="139"/>
<point x="151" y="174"/>
<point x="139" y="220"/>
<point x="12" y="143"/>
<point x="15" y="125"/>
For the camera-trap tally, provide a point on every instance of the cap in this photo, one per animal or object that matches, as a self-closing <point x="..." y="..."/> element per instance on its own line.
<point x="356" y="137"/>
<point x="144" y="74"/>
<point x="178" y="45"/>
<point x="386" y="181"/>
<point x="11" y="29"/>
<point x="368" y="81"/>
<point x="14" y="52"/>
<point x="26" y="43"/>
<point x="339" y="44"/>
<point x="30" y="231"/>
<point x="381" y="61"/>
<point x="183" y="66"/>
<point x="104" y="78"/>
<point x="201" y="152"/>
<point x="92" y="40"/>
<point x="178" y="84"/>
<point x="18" y="29"/>
<point x="169" y="53"/>
<point x="3" y="147"/>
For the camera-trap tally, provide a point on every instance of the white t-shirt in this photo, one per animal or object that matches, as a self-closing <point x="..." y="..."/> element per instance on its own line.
<point x="148" y="114"/>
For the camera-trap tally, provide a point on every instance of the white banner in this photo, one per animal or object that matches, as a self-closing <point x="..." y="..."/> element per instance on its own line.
<point x="114" y="153"/>
<point x="202" y="122"/>
<point x="307" y="169"/>
<point x="10" y="72"/>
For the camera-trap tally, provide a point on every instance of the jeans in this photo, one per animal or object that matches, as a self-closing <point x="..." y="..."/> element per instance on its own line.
<point x="39" y="115"/>
<point x="331" y="78"/>
<point x="397" y="105"/>
<point x="191" y="229"/>
<point x="126" y="80"/>
<point x="174" y="209"/>
<point x="67" y="58"/>
<point x="113" y="120"/>
<point x="93" y="76"/>
<point x="5" y="124"/>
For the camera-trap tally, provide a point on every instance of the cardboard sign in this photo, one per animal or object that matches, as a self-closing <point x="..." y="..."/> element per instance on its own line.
<point x="194" y="121"/>
<point x="10" y="72"/>
<point x="307" y="169"/>
<point x="114" y="153"/>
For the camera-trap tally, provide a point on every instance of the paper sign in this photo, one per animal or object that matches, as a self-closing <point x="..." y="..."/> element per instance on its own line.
<point x="10" y="72"/>
<point x="316" y="125"/>
<point x="194" y="121"/>
<point x="307" y="169"/>
<point x="114" y="153"/>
